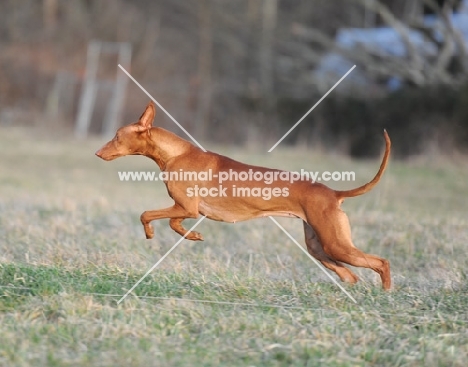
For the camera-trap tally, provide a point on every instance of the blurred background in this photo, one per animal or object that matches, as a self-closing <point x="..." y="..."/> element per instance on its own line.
<point x="243" y="72"/>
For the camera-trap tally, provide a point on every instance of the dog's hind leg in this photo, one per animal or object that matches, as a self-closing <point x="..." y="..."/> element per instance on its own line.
<point x="315" y="249"/>
<point x="334" y="233"/>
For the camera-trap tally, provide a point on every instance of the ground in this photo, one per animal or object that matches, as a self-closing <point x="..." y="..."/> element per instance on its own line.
<point x="71" y="244"/>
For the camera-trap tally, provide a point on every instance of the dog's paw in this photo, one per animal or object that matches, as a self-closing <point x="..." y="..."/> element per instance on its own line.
<point x="149" y="232"/>
<point x="194" y="236"/>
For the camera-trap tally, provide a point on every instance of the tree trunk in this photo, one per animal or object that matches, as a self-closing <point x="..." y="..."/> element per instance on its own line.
<point x="205" y="56"/>
<point x="49" y="13"/>
<point x="267" y="72"/>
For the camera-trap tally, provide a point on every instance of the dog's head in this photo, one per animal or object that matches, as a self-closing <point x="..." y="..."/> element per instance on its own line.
<point x="131" y="139"/>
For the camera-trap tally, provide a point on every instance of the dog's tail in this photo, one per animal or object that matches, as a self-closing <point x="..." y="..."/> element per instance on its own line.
<point x="368" y="186"/>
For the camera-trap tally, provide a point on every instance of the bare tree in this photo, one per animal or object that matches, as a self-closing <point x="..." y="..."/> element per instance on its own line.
<point x="440" y="60"/>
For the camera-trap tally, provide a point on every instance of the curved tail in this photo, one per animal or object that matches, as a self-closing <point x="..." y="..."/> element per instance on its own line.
<point x="368" y="186"/>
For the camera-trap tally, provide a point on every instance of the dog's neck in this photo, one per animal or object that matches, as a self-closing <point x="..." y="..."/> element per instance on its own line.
<point x="162" y="145"/>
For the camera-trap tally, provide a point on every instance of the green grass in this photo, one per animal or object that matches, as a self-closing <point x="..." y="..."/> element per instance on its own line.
<point x="71" y="245"/>
<point x="66" y="309"/>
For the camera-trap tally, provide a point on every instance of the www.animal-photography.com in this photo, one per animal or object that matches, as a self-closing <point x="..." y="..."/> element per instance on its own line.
<point x="233" y="183"/>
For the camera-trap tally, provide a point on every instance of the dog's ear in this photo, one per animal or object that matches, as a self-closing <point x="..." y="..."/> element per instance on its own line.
<point x="146" y="119"/>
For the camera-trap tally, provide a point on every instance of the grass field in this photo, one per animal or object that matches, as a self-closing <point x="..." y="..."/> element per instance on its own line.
<point x="71" y="244"/>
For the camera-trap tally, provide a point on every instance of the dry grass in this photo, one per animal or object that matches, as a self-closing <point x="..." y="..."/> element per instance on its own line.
<point x="70" y="234"/>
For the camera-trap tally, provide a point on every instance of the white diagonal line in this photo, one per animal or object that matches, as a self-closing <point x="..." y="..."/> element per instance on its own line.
<point x="162" y="108"/>
<point x="315" y="105"/>
<point x="313" y="259"/>
<point x="161" y="259"/>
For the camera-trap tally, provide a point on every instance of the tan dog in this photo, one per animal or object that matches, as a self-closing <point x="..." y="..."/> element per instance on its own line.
<point x="317" y="205"/>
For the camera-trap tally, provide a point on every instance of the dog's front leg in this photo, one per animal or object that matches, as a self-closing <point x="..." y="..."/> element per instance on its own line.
<point x="176" y="225"/>
<point x="177" y="214"/>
